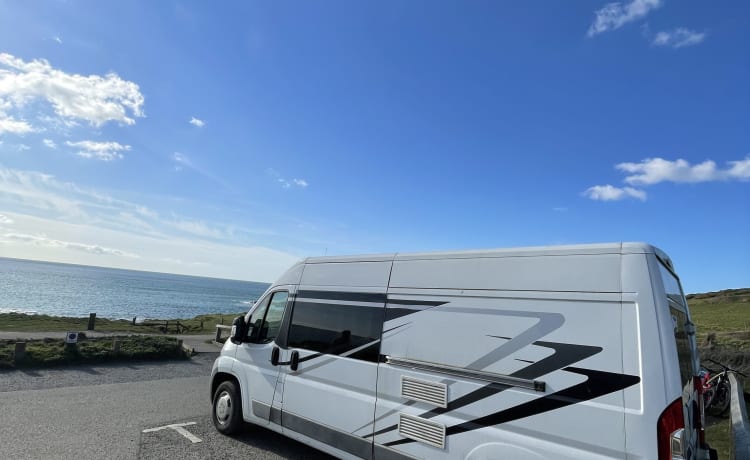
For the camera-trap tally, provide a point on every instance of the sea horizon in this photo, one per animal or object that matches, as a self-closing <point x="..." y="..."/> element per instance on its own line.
<point x="63" y="289"/>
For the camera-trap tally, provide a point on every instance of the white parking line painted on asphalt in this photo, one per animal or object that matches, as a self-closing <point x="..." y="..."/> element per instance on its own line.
<point x="178" y="427"/>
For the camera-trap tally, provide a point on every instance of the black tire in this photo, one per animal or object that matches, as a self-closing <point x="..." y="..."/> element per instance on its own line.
<point x="226" y="410"/>
<point x="722" y="398"/>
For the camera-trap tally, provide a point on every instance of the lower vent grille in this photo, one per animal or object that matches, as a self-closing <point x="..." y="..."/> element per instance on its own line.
<point x="422" y="430"/>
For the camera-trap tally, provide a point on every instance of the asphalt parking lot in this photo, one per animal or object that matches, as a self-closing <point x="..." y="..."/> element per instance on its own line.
<point x="101" y="411"/>
<point x="202" y="441"/>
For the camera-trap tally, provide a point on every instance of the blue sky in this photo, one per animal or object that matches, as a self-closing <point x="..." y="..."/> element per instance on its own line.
<point x="229" y="139"/>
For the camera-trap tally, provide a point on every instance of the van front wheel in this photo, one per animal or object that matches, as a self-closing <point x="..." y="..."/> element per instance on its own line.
<point x="227" y="408"/>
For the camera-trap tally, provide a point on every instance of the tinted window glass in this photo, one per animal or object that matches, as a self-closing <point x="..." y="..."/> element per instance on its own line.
<point x="337" y="329"/>
<point x="684" y="350"/>
<point x="275" y="313"/>
<point x="678" y="310"/>
<point x="256" y="319"/>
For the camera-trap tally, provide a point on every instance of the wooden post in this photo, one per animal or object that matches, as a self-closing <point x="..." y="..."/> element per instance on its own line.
<point x="218" y="334"/>
<point x="92" y="320"/>
<point x="20" y="352"/>
<point x="134" y="317"/>
<point x="116" y="345"/>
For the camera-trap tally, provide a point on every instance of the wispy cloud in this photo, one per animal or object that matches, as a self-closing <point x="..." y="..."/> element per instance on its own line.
<point x="23" y="147"/>
<point x="49" y="143"/>
<point x="13" y="126"/>
<point x="51" y="197"/>
<point x="286" y="183"/>
<point x="611" y="193"/>
<point x="615" y="15"/>
<point x="183" y="161"/>
<point x="197" y="122"/>
<point x="5" y="220"/>
<point x="679" y="38"/>
<point x="57" y="39"/>
<point x="104" y="151"/>
<point x="94" y="99"/>
<point x="43" y="240"/>
<point x="656" y="170"/>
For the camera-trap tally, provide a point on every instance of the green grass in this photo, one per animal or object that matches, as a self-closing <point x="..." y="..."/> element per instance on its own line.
<point x="718" y="436"/>
<point x="722" y="321"/>
<point x="202" y="324"/>
<point x="55" y="352"/>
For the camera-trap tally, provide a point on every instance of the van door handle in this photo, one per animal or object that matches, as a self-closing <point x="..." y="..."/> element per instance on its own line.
<point x="294" y="361"/>
<point x="275" y="356"/>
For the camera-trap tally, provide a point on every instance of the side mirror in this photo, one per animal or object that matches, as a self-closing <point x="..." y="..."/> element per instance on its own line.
<point x="294" y="361"/>
<point x="275" y="356"/>
<point x="238" y="330"/>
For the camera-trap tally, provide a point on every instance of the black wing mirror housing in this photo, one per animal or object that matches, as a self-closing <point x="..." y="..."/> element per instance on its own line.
<point x="238" y="330"/>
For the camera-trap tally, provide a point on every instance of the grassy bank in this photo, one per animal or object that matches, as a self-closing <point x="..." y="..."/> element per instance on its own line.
<point x="55" y="352"/>
<point x="202" y="324"/>
<point x="722" y="321"/>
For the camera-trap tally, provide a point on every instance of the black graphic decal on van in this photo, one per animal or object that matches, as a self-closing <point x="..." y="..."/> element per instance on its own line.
<point x="598" y="383"/>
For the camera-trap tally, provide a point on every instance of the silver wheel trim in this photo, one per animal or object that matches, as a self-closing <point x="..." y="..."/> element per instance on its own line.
<point x="223" y="407"/>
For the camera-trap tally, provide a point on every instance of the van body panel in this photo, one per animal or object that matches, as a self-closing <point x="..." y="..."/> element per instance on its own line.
<point x="335" y="330"/>
<point x="533" y="353"/>
<point x="362" y="274"/>
<point x="515" y="335"/>
<point x="575" y="273"/>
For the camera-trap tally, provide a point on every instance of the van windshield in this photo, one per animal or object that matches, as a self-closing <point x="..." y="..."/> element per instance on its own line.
<point x="680" y="317"/>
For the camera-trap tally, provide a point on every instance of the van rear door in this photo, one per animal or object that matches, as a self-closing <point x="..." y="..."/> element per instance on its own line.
<point x="687" y="356"/>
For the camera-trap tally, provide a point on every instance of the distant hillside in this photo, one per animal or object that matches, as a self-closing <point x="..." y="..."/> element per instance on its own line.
<point x="725" y="296"/>
<point x="722" y="320"/>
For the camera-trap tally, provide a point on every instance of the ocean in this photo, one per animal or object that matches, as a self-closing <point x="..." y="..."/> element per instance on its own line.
<point x="76" y="290"/>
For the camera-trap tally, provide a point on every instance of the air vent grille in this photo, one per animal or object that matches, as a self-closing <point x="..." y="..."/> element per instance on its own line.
<point x="422" y="430"/>
<point x="425" y="391"/>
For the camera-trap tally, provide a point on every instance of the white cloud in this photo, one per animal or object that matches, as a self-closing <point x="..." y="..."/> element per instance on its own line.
<point x="182" y="159"/>
<point x="5" y="220"/>
<point x="198" y="228"/>
<point x="302" y="183"/>
<point x="43" y="240"/>
<point x="23" y="147"/>
<point x="94" y="99"/>
<point x="614" y="15"/>
<point x="611" y="193"/>
<point x="13" y="126"/>
<point x="654" y="170"/>
<point x="740" y="169"/>
<point x="49" y="143"/>
<point x="57" y="39"/>
<point x="60" y="241"/>
<point x="66" y="201"/>
<point x="197" y="122"/>
<point x="105" y="151"/>
<point x="678" y="38"/>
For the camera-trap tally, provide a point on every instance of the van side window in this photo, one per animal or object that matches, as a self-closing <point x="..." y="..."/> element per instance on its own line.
<point x="265" y="322"/>
<point x="343" y="330"/>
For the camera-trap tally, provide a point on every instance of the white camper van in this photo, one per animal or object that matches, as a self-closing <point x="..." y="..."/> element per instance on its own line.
<point x="569" y="352"/>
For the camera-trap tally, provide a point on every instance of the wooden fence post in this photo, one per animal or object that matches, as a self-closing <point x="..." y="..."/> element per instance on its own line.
<point x="92" y="320"/>
<point x="20" y="352"/>
<point x="116" y="345"/>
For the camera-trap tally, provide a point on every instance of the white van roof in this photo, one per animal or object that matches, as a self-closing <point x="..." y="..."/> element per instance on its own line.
<point x="579" y="249"/>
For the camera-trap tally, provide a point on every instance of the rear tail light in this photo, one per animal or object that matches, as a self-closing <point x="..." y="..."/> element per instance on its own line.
<point x="699" y="410"/>
<point x="670" y="431"/>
